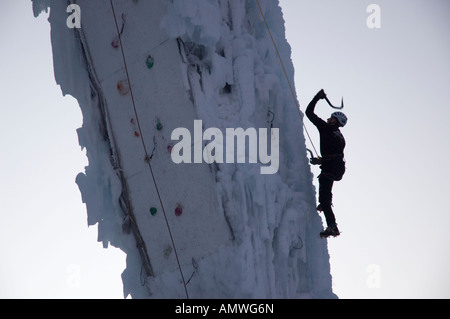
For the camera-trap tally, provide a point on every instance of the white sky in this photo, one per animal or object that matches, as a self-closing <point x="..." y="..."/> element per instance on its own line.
<point x="391" y="205"/>
<point x="46" y="248"/>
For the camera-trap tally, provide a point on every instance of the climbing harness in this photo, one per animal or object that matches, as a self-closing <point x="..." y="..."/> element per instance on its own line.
<point x="147" y="156"/>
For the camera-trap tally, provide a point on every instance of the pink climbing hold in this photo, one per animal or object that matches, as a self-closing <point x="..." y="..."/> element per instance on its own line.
<point x="178" y="210"/>
<point x="115" y="42"/>
<point x="169" y="148"/>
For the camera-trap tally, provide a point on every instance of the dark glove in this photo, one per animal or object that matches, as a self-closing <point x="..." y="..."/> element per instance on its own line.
<point x="320" y="95"/>
<point x="315" y="161"/>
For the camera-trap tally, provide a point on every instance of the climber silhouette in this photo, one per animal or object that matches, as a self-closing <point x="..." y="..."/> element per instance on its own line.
<point x="332" y="144"/>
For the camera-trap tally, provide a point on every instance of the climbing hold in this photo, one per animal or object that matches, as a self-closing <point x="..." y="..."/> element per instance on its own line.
<point x="149" y="62"/>
<point x="136" y="134"/>
<point x="123" y="87"/>
<point x="115" y="42"/>
<point x="169" y="148"/>
<point x="226" y="89"/>
<point x="178" y="210"/>
<point x="153" y="211"/>
<point x="159" y="126"/>
<point x="167" y="251"/>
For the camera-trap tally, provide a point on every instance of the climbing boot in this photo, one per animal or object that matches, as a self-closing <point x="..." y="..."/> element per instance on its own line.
<point x="331" y="230"/>
<point x="319" y="207"/>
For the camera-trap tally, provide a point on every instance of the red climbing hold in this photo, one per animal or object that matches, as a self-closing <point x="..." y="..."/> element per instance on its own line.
<point x="178" y="210"/>
<point x="123" y="87"/>
<point x="136" y="134"/>
<point x="115" y="42"/>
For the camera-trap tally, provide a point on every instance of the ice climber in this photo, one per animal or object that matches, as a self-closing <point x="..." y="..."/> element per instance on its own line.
<point x="332" y="144"/>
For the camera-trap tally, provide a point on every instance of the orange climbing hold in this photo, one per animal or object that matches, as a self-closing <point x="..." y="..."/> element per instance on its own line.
<point x="123" y="87"/>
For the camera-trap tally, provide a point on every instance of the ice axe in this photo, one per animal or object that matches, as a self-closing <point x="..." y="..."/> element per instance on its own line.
<point x="334" y="107"/>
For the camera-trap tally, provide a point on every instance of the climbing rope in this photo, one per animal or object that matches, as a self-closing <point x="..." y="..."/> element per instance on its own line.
<point x="147" y="156"/>
<point x="286" y="75"/>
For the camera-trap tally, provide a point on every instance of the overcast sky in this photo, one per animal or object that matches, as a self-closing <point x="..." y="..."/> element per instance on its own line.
<point x="391" y="205"/>
<point x="46" y="248"/>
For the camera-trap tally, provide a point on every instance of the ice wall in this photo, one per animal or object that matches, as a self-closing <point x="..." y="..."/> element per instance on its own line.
<point x="220" y="230"/>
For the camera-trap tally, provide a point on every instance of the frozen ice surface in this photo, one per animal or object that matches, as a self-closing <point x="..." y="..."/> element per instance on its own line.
<point x="236" y="233"/>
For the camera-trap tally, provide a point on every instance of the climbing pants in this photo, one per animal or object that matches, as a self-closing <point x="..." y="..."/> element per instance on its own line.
<point x="326" y="197"/>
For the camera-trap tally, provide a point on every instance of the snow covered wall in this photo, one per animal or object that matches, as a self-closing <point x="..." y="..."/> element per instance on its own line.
<point x="202" y="228"/>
